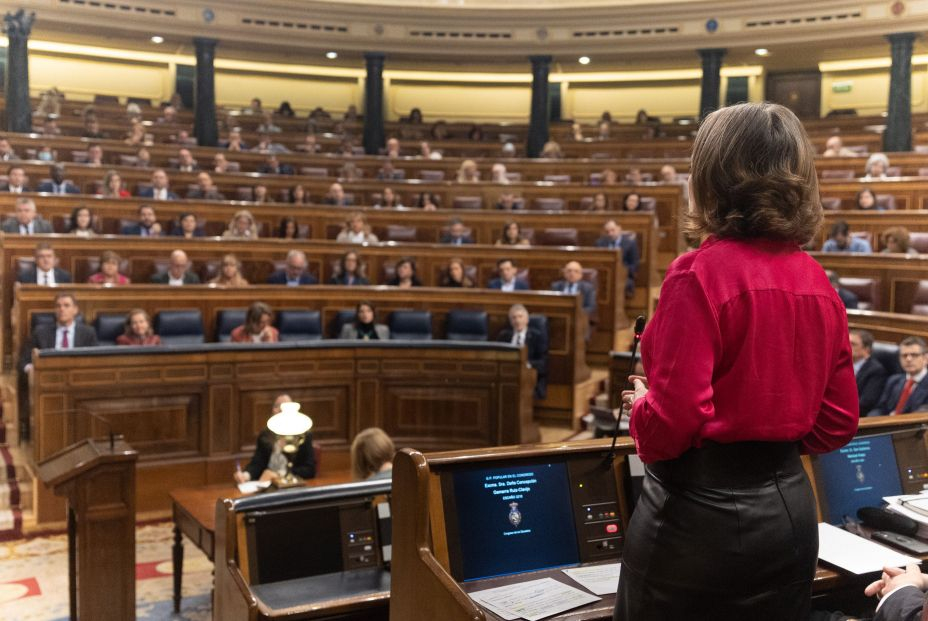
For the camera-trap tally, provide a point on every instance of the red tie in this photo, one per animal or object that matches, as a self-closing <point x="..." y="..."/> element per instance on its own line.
<point x="906" y="391"/>
<point x="64" y="339"/>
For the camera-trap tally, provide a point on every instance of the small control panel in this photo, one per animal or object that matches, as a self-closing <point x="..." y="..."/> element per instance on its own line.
<point x="600" y="532"/>
<point x="359" y="540"/>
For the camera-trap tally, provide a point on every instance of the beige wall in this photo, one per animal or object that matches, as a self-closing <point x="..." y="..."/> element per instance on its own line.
<point x="586" y="102"/>
<point x="870" y="90"/>
<point x="236" y="89"/>
<point x="82" y="78"/>
<point x="459" y="102"/>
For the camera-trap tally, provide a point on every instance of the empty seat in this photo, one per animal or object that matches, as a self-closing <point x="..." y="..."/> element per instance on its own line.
<point x="894" y="171"/>
<point x="41" y="319"/>
<point x="838" y="173"/>
<point x="647" y="203"/>
<point x="559" y="237"/>
<point x="411" y="325"/>
<point x="866" y="290"/>
<point x="432" y="175"/>
<point x="887" y="354"/>
<point x="244" y="193"/>
<point x="558" y="178"/>
<point x="314" y="171"/>
<point x="179" y="327"/>
<point x="108" y="327"/>
<point x="919" y="241"/>
<point x="107" y="99"/>
<point x="886" y="201"/>
<point x="299" y="325"/>
<point x="831" y="202"/>
<point x="233" y="167"/>
<point x="400" y="233"/>
<point x="467" y="202"/>
<point x="920" y="300"/>
<point x="540" y="323"/>
<point x="128" y="160"/>
<point x="466" y="325"/>
<point x="341" y="318"/>
<point x="514" y="177"/>
<point x="548" y="204"/>
<point x="228" y="319"/>
<point x="923" y="172"/>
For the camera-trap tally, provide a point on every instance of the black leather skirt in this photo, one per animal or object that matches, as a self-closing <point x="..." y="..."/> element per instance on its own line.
<point x="726" y="531"/>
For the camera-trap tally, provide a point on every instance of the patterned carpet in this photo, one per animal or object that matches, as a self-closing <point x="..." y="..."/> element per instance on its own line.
<point x="34" y="578"/>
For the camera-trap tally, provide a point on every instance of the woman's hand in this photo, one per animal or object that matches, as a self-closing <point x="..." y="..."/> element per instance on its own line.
<point x="629" y="397"/>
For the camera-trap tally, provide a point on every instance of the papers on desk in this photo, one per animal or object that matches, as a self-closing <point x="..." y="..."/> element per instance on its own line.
<point x="533" y="600"/>
<point x="599" y="579"/>
<point x="252" y="487"/>
<point x="856" y="554"/>
<point x="897" y="504"/>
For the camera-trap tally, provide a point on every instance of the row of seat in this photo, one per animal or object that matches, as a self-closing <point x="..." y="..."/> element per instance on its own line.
<point x="867" y="291"/>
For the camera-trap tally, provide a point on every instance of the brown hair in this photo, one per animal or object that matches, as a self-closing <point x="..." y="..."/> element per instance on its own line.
<point x="898" y="234"/>
<point x="255" y="312"/>
<point x="371" y="449"/>
<point x="127" y="325"/>
<point x="753" y="176"/>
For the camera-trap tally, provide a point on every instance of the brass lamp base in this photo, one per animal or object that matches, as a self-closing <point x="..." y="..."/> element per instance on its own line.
<point x="288" y="480"/>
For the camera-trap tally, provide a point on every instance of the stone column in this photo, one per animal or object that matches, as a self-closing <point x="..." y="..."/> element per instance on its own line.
<point x="17" y="27"/>
<point x="711" y="80"/>
<point x="204" y="93"/>
<point x="898" y="134"/>
<point x="538" y="124"/>
<point x="374" y="137"/>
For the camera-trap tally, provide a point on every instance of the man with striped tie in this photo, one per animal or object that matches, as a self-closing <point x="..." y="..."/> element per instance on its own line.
<point x="906" y="392"/>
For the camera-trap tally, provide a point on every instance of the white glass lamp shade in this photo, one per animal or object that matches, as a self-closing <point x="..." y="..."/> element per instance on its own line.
<point x="289" y="421"/>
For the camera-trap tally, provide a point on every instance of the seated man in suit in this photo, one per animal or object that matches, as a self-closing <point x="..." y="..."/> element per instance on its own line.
<point x="294" y="274"/>
<point x="185" y="161"/>
<point x="901" y="593"/>
<point x="160" y="189"/>
<point x="906" y="392"/>
<point x="870" y="374"/>
<point x="848" y="297"/>
<point x="45" y="271"/>
<point x="573" y="283"/>
<point x="6" y="151"/>
<point x="147" y="226"/>
<point x="519" y="333"/>
<point x="16" y="180"/>
<point x="457" y="234"/>
<point x="507" y="280"/>
<point x="206" y="189"/>
<point x="65" y="333"/>
<point x="336" y="196"/>
<point x="613" y="238"/>
<point x="58" y="184"/>
<point x="273" y="166"/>
<point x="26" y="221"/>
<point x="178" y="272"/>
<point x="269" y="463"/>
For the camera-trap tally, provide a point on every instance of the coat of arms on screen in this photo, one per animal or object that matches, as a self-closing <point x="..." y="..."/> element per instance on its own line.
<point x="515" y="517"/>
<point x="861" y="477"/>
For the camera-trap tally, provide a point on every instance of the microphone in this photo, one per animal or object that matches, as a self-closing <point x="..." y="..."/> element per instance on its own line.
<point x="109" y="427"/>
<point x="639" y="328"/>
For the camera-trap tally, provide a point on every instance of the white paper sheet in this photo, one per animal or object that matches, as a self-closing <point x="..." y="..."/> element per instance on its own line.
<point x="533" y="600"/>
<point x="856" y="554"/>
<point x="896" y="505"/>
<point x="599" y="579"/>
<point x="251" y="487"/>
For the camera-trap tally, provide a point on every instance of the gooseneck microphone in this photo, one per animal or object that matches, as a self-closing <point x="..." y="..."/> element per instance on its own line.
<point x="639" y="328"/>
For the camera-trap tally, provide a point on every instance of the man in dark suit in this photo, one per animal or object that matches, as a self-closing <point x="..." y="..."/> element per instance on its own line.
<point x="147" y="226"/>
<point x="295" y="273"/>
<point x="16" y="180"/>
<point x="178" y="272"/>
<point x="870" y="374"/>
<point x="336" y="196"/>
<point x="848" y="297"/>
<point x="457" y="234"/>
<point x="44" y="271"/>
<point x="906" y="392"/>
<point x="901" y="593"/>
<point x="206" y="189"/>
<point x="507" y="280"/>
<point x="613" y="238"/>
<point x="26" y="221"/>
<point x="65" y="333"/>
<point x="519" y="333"/>
<point x="58" y="184"/>
<point x="273" y="166"/>
<point x="573" y="283"/>
<point x="185" y="161"/>
<point x="159" y="190"/>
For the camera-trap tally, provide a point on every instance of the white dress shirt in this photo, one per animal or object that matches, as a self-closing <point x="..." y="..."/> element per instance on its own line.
<point x="508" y="286"/>
<point x="518" y="338"/>
<point x="59" y="334"/>
<point x="45" y="278"/>
<point x="175" y="282"/>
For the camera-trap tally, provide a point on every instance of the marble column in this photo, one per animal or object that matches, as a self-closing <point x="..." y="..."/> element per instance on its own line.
<point x="711" y="80"/>
<point x="538" y="124"/>
<point x="374" y="136"/>
<point x="204" y="93"/>
<point x="898" y="134"/>
<point x="17" y="27"/>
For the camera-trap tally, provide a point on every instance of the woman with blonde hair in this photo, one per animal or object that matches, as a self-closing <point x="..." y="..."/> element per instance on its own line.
<point x="372" y="455"/>
<point x="356" y="231"/>
<point x="112" y="186"/>
<point x="230" y="274"/>
<point x="138" y="330"/>
<point x="468" y="172"/>
<point x="242" y="226"/>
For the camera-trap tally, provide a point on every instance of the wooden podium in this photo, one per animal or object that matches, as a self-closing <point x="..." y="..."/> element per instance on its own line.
<point x="97" y="477"/>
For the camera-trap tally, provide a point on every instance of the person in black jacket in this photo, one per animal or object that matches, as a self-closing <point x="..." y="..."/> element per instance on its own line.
<point x="871" y="375"/>
<point x="268" y="462"/>
<point x="521" y="334"/>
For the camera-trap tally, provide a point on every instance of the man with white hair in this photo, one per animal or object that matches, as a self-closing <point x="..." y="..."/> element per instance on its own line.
<point x="178" y="272"/>
<point x="294" y="273"/>
<point x="26" y="221"/>
<point x="520" y="334"/>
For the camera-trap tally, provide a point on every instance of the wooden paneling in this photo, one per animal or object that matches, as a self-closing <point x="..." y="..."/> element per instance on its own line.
<point x="898" y="275"/>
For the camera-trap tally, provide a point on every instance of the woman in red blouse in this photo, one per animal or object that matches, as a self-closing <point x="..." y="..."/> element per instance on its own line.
<point x="257" y="327"/>
<point x="748" y="365"/>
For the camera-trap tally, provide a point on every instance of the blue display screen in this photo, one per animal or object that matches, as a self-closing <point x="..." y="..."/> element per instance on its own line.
<point x="858" y="475"/>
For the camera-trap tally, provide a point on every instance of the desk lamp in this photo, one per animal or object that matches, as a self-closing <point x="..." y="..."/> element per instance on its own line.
<point x="290" y="426"/>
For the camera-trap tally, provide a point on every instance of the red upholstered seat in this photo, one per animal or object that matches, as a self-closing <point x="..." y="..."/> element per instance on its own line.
<point x="920" y="301"/>
<point x="867" y="291"/>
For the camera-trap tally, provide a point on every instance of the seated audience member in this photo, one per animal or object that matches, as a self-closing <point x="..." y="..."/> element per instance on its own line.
<point x="388" y="172"/>
<point x="235" y="142"/>
<point x="901" y="593"/>
<point x="840" y="240"/>
<point x="870" y="374"/>
<point x="372" y="455"/>
<point x="6" y="151"/>
<point x="834" y="147"/>
<point x="349" y="171"/>
<point x="267" y="125"/>
<point x="576" y="132"/>
<point x="520" y="334"/>
<point x="242" y="226"/>
<point x="138" y="330"/>
<point x="906" y="392"/>
<point x="160" y="188"/>
<point x="507" y="279"/>
<point x="269" y="463"/>
<point x="230" y="274"/>
<point x="294" y="274"/>
<point x="468" y="173"/>
<point x="896" y="241"/>
<point x="46" y="154"/>
<point x="81" y="222"/>
<point x="552" y="151"/>
<point x="16" y="180"/>
<point x="254" y="107"/>
<point x="109" y="271"/>
<point x="415" y="117"/>
<point x="220" y="163"/>
<point x="609" y="177"/>
<point x="876" y="166"/>
<point x="168" y="116"/>
<point x="475" y="133"/>
<point x="866" y="200"/>
<point x="349" y="271"/>
<point x="147" y="226"/>
<point x="45" y="271"/>
<point x="336" y="196"/>
<point x="634" y="177"/>
<point x="428" y="201"/>
<point x="603" y="130"/>
<point x="631" y="202"/>
<point x="404" y="275"/>
<point x="600" y="202"/>
<point x="142" y="158"/>
<point x="65" y="333"/>
<point x="364" y="326"/>
<point x="392" y="149"/>
<point x="288" y="228"/>
<point x="58" y="184"/>
<point x="298" y="195"/>
<point x="356" y="231"/>
<point x="92" y="129"/>
<point x="573" y="283"/>
<point x="627" y="244"/>
<point x="498" y="174"/>
<point x="439" y="130"/>
<point x="257" y="327"/>
<point x="454" y="275"/>
<point x="310" y="144"/>
<point x="457" y="234"/>
<point x="273" y="166"/>
<point x="669" y="174"/>
<point x="136" y="135"/>
<point x="185" y="161"/>
<point x="848" y="297"/>
<point x="512" y="235"/>
<point x="94" y="156"/>
<point x="178" y="272"/>
<point x="426" y="151"/>
<point x="206" y="189"/>
<point x="26" y="221"/>
<point x="112" y="186"/>
<point x="187" y="226"/>
<point x="507" y="201"/>
<point x="389" y="200"/>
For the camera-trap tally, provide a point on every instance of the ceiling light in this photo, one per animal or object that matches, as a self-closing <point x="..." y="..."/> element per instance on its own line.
<point x="157" y="39"/>
<point x="331" y="55"/>
<point x="762" y="51"/>
<point x="584" y="60"/>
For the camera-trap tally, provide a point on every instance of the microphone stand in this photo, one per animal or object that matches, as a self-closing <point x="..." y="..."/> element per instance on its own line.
<point x="639" y="328"/>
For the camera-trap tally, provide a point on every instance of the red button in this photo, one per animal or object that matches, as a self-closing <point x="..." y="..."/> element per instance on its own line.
<point x="612" y="528"/>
